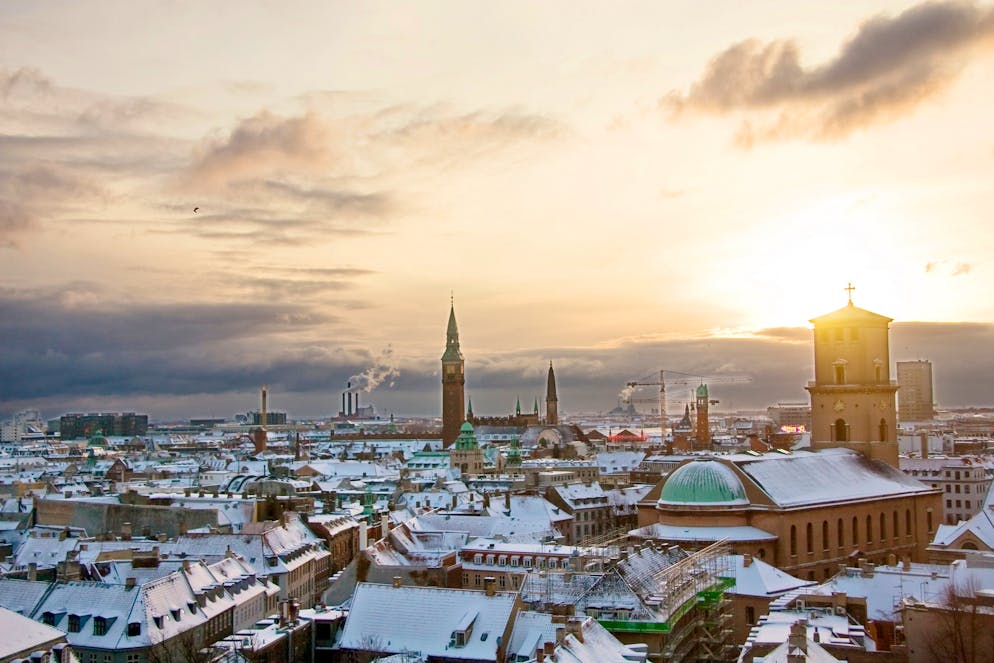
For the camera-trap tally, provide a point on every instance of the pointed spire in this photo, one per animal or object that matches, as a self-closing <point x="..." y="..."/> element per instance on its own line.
<point x="452" y="352"/>
<point x="517" y="407"/>
<point x="536" y="405"/>
<point x="550" y="389"/>
<point x="469" y="410"/>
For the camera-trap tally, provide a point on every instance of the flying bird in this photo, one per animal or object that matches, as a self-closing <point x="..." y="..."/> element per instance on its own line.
<point x="196" y="209"/>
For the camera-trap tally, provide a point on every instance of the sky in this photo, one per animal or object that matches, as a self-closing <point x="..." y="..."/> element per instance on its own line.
<point x="200" y="198"/>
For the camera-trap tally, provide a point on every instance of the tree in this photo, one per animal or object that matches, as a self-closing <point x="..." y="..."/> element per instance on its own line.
<point x="962" y="629"/>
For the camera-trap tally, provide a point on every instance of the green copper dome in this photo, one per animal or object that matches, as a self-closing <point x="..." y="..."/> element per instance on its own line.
<point x="702" y="391"/>
<point x="704" y="482"/>
<point x="466" y="438"/>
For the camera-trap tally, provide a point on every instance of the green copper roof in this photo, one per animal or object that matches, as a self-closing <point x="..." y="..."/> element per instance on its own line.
<point x="702" y="391"/>
<point x="452" y="352"/>
<point x="704" y="482"/>
<point x="466" y="438"/>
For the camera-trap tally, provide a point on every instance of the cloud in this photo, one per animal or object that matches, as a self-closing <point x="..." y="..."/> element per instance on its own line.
<point x="890" y="66"/>
<point x="259" y="146"/>
<point x="34" y="194"/>
<point x="948" y="267"/>
<point x="26" y="81"/>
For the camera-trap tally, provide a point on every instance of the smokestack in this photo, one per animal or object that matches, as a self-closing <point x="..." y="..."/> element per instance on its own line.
<point x="924" y="444"/>
<point x="350" y="399"/>
<point x="343" y="403"/>
<point x="262" y="415"/>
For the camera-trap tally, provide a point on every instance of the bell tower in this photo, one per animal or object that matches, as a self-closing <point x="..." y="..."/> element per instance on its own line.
<point x="453" y="382"/>
<point x="852" y="396"/>
<point x="703" y="432"/>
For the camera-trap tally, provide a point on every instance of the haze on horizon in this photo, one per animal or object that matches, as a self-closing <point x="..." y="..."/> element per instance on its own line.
<point x="615" y="190"/>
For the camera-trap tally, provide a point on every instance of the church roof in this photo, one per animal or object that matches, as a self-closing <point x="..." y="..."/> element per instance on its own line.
<point x="850" y="314"/>
<point x="704" y="481"/>
<point x="830" y="475"/>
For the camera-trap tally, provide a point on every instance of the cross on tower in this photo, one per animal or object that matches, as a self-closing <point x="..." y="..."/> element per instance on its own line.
<point x="849" y="289"/>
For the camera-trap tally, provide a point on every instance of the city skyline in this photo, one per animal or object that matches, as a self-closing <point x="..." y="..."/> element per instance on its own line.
<point x="197" y="200"/>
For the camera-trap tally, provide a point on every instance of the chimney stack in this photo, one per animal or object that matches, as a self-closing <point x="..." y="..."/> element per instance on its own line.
<point x="349" y="412"/>
<point x="263" y="419"/>
<point x="396" y="581"/>
<point x="33" y="571"/>
<point x="130" y="582"/>
<point x="924" y="444"/>
<point x="549" y="648"/>
<point x="490" y="585"/>
<point x="797" y="642"/>
<point x="507" y="500"/>
<point x="540" y="655"/>
<point x="747" y="560"/>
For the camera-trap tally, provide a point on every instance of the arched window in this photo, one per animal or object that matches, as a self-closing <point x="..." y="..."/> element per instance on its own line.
<point x="969" y="545"/>
<point x="762" y="553"/>
<point x="824" y="534"/>
<point x="841" y="431"/>
<point x="840" y="534"/>
<point x="869" y="529"/>
<point x="893" y="521"/>
<point x="855" y="531"/>
<point x="883" y="527"/>
<point x="793" y="539"/>
<point x="810" y="539"/>
<point x="883" y="430"/>
<point x="907" y="522"/>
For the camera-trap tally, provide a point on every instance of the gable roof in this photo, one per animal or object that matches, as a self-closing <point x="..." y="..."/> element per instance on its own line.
<point x="423" y="619"/>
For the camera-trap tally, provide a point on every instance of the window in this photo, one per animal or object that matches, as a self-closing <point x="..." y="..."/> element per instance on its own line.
<point x="750" y="615"/>
<point x="841" y="431"/>
<point x="928" y="516"/>
<point x="893" y="521"/>
<point x="840" y="535"/>
<point x="838" y="334"/>
<point x="883" y="527"/>
<point x="793" y="539"/>
<point x="854" y="333"/>
<point x="478" y="558"/>
<point x="869" y="529"/>
<point x="840" y="374"/>
<point x="824" y="534"/>
<point x="74" y="623"/>
<point x="134" y="629"/>
<point x="907" y="522"/>
<point x="855" y="531"/>
<point x="810" y="539"/>
<point x="99" y="626"/>
<point x="48" y="618"/>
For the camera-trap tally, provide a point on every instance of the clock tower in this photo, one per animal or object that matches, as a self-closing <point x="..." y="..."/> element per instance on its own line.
<point x="453" y="383"/>
<point x="852" y="396"/>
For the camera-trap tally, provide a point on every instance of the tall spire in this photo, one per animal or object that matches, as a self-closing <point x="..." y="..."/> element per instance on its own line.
<point x="517" y="407"/>
<point x="452" y="352"/>
<point x="551" y="399"/>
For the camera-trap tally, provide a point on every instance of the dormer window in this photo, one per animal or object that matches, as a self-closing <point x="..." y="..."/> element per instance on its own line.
<point x="48" y="618"/>
<point x="74" y="623"/>
<point x="99" y="626"/>
<point x="158" y="620"/>
<point x="134" y="629"/>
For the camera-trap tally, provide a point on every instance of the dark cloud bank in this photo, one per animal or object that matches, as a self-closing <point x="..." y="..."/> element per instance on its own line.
<point x="59" y="352"/>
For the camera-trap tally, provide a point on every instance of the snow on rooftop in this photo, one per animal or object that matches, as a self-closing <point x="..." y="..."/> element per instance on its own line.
<point x="425" y="619"/>
<point x="830" y="475"/>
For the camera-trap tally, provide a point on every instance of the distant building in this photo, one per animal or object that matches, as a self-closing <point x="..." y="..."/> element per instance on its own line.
<point x="915" y="400"/>
<point x="272" y="418"/>
<point x="75" y="426"/>
<point x="790" y="415"/>
<point x="962" y="479"/>
<point x="21" y="424"/>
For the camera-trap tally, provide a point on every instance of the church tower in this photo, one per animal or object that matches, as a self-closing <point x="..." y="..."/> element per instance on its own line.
<point x="551" y="399"/>
<point x="453" y="383"/>
<point x="852" y="397"/>
<point x="703" y="435"/>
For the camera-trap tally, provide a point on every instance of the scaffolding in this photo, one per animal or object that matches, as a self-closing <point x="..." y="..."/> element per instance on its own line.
<point x="686" y="595"/>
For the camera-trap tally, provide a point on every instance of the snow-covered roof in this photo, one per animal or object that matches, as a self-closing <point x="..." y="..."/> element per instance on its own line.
<point x="21" y="634"/>
<point x="680" y="533"/>
<point x="392" y="620"/>
<point x="757" y="578"/>
<point x="830" y="475"/>
<point x="884" y="587"/>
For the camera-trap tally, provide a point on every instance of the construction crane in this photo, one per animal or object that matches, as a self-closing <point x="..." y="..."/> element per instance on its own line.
<point x="686" y="378"/>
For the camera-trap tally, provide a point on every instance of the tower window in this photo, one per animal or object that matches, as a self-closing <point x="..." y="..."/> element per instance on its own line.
<point x="854" y="334"/>
<point x="840" y="374"/>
